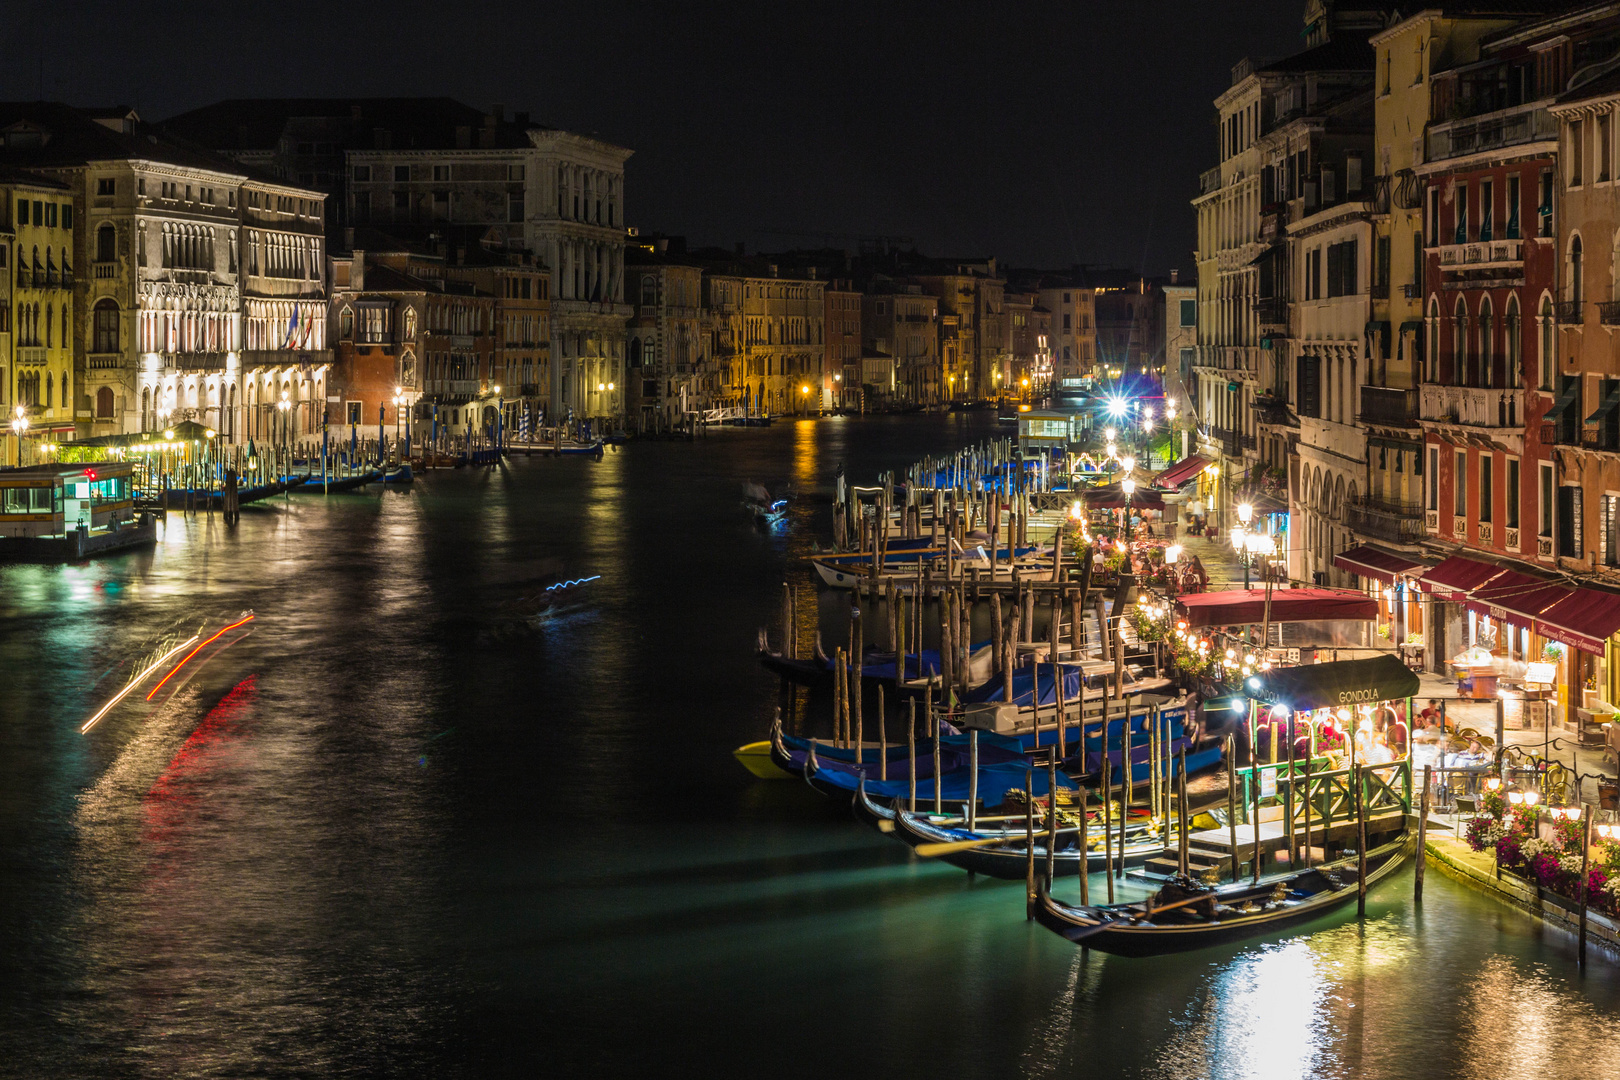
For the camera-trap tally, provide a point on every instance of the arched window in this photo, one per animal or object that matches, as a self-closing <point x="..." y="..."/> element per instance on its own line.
<point x="1459" y="342"/>
<point x="50" y="385"/>
<point x="1576" y="284"/>
<point x="1514" y="376"/>
<point x="106" y="244"/>
<point x="346" y="324"/>
<point x="104" y="403"/>
<point x="1547" y="361"/>
<point x="50" y="327"/>
<point x="1487" y="339"/>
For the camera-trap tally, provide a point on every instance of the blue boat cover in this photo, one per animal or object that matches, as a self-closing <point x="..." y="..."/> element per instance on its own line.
<point x="994" y="782"/>
<point x="1023" y="686"/>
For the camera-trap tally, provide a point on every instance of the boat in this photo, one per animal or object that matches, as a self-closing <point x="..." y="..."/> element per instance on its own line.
<point x="756" y="758"/>
<point x="1185" y="915"/>
<point x="214" y="498"/>
<point x="842" y="571"/>
<point x="401" y="475"/>
<point x="1009" y="859"/>
<point x="841" y="770"/>
<point x="1086" y="686"/>
<point x="995" y="780"/>
<point x="341" y="483"/>
<point x="877" y="666"/>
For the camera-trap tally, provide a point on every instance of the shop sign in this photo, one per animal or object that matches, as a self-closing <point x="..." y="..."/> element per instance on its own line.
<point x="1268" y="784"/>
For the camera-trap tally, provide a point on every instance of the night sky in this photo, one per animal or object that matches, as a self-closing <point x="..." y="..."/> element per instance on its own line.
<point x="1042" y="133"/>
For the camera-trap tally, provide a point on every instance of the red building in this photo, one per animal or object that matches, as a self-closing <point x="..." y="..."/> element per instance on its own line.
<point x="1491" y="269"/>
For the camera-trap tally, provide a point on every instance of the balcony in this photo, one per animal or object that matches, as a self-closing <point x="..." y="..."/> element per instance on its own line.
<point x="1492" y="131"/>
<point x="1379" y="290"/>
<point x="1398" y="522"/>
<point x="105" y="270"/>
<point x="1271" y="311"/>
<point x="1482" y="255"/>
<point x="529" y="389"/>
<point x="1609" y="313"/>
<point x="1388" y="405"/>
<point x="1571" y="312"/>
<point x="29" y="356"/>
<point x="1413" y="291"/>
<point x="105" y="361"/>
<point x="1470" y="406"/>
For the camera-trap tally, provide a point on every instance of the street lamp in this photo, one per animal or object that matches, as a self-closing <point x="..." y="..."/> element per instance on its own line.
<point x="284" y="405"/>
<point x="19" y="425"/>
<point x="804" y="397"/>
<point x="1245" y="513"/>
<point x="1128" y="486"/>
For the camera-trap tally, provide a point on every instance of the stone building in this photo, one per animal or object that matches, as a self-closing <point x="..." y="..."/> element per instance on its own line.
<point x="165" y="233"/>
<point x="405" y="328"/>
<point x="1180" y="349"/>
<point x="665" y="353"/>
<point x="36" y="317"/>
<point x="840" y="380"/>
<point x="1074" y="329"/>
<point x="972" y="326"/>
<point x="900" y="339"/>
<point x="435" y="169"/>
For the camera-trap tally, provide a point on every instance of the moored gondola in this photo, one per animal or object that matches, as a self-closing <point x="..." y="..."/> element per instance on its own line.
<point x="1185" y="915"/>
<point x="1009" y="858"/>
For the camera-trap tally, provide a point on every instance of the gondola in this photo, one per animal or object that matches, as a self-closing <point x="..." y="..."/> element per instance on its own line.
<point x="1184" y="915"/>
<point x="401" y="475"/>
<point x="877" y="666"/>
<point x="341" y="483"/>
<point x="1009" y="860"/>
<point x="995" y="780"/>
<point x="837" y="771"/>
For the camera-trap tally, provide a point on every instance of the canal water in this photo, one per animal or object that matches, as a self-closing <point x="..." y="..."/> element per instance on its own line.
<point x="383" y="834"/>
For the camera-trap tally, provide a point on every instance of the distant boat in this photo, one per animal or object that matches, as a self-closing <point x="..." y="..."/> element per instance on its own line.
<point x="401" y="475"/>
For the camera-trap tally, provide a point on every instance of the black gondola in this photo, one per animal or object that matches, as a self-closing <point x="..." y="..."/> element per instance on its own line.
<point x="1188" y="916"/>
<point x="1009" y="860"/>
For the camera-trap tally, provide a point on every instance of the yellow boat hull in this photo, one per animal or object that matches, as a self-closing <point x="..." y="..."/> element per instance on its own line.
<point x="756" y="758"/>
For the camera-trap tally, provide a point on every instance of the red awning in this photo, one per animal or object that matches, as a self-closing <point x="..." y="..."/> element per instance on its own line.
<point x="1516" y="597"/>
<point x="1374" y="562"/>
<point x="1238" y="607"/>
<point x="1454" y="578"/>
<point x="1181" y="472"/>
<point x="1112" y="497"/>
<point x="1586" y="618"/>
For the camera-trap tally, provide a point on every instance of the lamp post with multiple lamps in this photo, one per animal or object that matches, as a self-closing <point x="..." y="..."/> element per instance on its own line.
<point x="19" y="428"/>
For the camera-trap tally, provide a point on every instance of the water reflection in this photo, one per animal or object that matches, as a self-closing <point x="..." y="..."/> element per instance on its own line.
<point x="371" y="841"/>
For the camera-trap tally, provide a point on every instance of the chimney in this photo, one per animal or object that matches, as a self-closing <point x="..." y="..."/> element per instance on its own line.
<point x="357" y="271"/>
<point x="1173" y="275"/>
<point x="661" y="244"/>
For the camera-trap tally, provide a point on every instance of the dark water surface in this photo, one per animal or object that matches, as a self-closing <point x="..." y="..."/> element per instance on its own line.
<point x="374" y="837"/>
